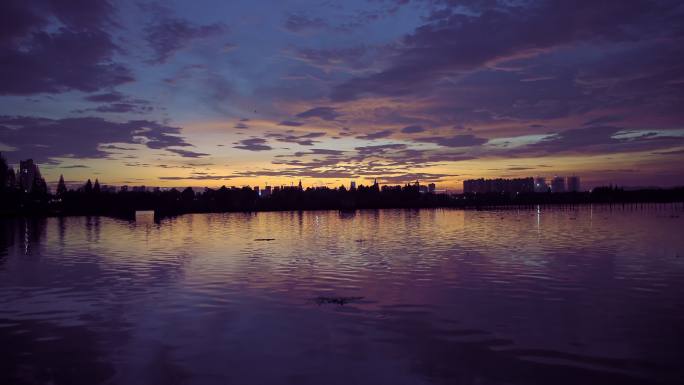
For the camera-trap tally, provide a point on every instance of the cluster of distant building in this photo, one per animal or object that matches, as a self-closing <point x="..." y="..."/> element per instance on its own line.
<point x="267" y="191"/>
<point x="270" y="190"/>
<point x="559" y="184"/>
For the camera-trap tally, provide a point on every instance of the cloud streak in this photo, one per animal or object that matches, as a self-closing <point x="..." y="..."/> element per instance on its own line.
<point x="253" y="144"/>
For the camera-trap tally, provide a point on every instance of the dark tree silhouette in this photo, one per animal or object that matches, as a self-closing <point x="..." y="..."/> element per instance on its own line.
<point x="188" y="194"/>
<point x="4" y="173"/>
<point x="88" y="187"/>
<point x="61" y="187"/>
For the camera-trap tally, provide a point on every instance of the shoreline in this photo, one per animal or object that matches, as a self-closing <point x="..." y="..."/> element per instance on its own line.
<point x="158" y="215"/>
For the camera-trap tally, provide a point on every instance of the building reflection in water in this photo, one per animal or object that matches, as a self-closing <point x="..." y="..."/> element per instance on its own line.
<point x="33" y="232"/>
<point x="23" y="232"/>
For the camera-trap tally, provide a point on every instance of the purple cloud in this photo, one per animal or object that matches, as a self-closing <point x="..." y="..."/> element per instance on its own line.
<point x="412" y="129"/>
<point x="117" y="103"/>
<point x="601" y="140"/>
<point x="40" y="56"/>
<point x="454" y="141"/>
<point x="121" y="108"/>
<point x="48" y="63"/>
<point x="379" y="149"/>
<point x="43" y="139"/>
<point x="463" y="41"/>
<point x="253" y="144"/>
<point x="325" y="113"/>
<point x="290" y="123"/>
<point x="319" y="151"/>
<point x="302" y="140"/>
<point x="186" y="153"/>
<point x="107" y="97"/>
<point x="376" y="135"/>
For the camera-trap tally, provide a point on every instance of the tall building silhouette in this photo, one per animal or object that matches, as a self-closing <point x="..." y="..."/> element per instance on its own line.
<point x="558" y="184"/>
<point x="29" y="176"/>
<point x="540" y="185"/>
<point x="500" y="185"/>
<point x="573" y="183"/>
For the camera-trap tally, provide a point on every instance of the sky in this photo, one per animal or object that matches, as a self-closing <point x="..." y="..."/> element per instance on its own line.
<point x="211" y="93"/>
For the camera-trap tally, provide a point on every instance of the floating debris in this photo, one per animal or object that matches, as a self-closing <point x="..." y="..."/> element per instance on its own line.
<point x="265" y="239"/>
<point x="360" y="240"/>
<point x="336" y="300"/>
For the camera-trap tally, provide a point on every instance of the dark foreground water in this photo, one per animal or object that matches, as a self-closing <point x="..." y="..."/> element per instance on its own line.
<point x="581" y="296"/>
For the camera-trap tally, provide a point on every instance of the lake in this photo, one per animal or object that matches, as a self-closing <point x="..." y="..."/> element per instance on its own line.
<point x="581" y="295"/>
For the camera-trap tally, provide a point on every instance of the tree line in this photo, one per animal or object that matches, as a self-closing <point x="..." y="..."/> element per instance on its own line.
<point x="92" y="199"/>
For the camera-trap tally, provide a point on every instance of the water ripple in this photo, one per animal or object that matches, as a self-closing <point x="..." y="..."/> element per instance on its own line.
<point x="591" y="294"/>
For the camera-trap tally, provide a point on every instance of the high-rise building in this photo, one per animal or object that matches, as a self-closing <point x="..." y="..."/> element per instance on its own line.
<point x="474" y="186"/>
<point x="573" y="183"/>
<point x="352" y="185"/>
<point x="432" y="188"/>
<point x="256" y="190"/>
<point x="29" y="175"/>
<point x="540" y="185"/>
<point x="266" y="192"/>
<point x="558" y="184"/>
<point x="423" y="189"/>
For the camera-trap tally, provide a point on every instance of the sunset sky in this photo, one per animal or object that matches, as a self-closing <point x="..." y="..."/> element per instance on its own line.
<point x="211" y="93"/>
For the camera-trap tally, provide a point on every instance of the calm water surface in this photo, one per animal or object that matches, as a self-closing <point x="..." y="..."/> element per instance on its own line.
<point x="581" y="296"/>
